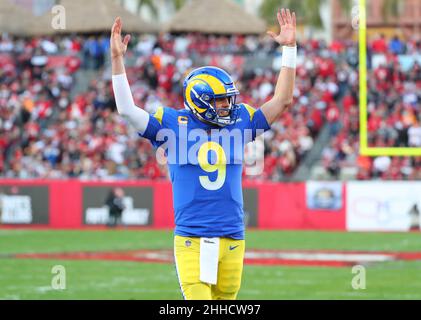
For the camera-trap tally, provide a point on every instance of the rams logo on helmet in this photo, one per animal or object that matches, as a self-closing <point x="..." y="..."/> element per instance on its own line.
<point x="201" y="89"/>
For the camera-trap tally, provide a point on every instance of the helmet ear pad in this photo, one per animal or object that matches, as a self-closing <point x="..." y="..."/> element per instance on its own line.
<point x="199" y="95"/>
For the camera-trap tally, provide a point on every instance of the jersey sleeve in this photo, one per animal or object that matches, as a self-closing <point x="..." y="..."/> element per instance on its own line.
<point x="256" y="121"/>
<point x="155" y="123"/>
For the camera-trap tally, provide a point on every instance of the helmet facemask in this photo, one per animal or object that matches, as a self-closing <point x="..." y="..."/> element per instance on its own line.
<point x="221" y="116"/>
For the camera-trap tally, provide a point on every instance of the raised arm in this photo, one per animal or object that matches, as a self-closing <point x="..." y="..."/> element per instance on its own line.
<point x="137" y="117"/>
<point x="284" y="90"/>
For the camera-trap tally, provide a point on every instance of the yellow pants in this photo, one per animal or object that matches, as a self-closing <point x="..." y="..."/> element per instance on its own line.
<point x="230" y="269"/>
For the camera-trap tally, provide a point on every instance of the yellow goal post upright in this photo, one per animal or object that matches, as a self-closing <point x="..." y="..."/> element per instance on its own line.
<point x="364" y="148"/>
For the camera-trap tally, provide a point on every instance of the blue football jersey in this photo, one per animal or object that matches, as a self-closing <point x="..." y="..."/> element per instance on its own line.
<point x="205" y="165"/>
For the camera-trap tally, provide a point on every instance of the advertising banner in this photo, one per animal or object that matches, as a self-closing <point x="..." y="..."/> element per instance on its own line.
<point x="383" y="206"/>
<point x="324" y="195"/>
<point x="24" y="204"/>
<point x="137" y="203"/>
<point x="250" y="201"/>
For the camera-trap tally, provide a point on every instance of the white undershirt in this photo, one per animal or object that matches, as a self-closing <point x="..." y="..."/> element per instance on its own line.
<point x="136" y="116"/>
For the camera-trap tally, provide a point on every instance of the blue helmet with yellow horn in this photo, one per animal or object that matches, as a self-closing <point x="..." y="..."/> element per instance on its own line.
<point x="202" y="87"/>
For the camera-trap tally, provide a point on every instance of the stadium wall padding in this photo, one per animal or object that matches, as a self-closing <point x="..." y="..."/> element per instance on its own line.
<point x="283" y="206"/>
<point x="65" y="204"/>
<point x="279" y="205"/>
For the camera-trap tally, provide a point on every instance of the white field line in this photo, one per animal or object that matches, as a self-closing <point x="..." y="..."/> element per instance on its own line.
<point x="307" y="256"/>
<point x="310" y="256"/>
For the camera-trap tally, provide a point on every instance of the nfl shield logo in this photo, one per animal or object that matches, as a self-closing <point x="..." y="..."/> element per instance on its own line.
<point x="188" y="243"/>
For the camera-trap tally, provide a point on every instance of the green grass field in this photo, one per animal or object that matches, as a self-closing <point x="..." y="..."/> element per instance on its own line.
<point x="87" y="279"/>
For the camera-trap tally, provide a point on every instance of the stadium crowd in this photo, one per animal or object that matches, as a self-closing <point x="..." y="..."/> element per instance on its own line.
<point x="50" y="129"/>
<point x="394" y="95"/>
<point x="393" y="119"/>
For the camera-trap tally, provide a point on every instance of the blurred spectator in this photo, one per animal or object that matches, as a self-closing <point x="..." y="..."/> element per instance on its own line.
<point x="396" y="46"/>
<point x="379" y="45"/>
<point x="48" y="132"/>
<point x="394" y="86"/>
<point x="115" y="206"/>
<point x="414" y="134"/>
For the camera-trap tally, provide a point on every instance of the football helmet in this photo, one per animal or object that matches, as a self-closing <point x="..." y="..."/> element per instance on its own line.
<point x="202" y="87"/>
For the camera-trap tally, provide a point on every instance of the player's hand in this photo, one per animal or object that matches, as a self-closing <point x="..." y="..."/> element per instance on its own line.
<point x="288" y="25"/>
<point x="118" y="47"/>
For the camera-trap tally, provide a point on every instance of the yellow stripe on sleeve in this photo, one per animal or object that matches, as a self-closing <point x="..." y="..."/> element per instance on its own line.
<point x="159" y="114"/>
<point x="250" y="110"/>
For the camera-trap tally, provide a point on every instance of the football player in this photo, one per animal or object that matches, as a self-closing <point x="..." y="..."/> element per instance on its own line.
<point x="206" y="168"/>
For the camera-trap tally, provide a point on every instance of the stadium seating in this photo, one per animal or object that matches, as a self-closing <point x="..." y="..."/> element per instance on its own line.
<point x="57" y="122"/>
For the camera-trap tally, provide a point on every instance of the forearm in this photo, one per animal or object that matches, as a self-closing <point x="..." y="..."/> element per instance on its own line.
<point x="126" y="107"/>
<point x="117" y="65"/>
<point x="284" y="89"/>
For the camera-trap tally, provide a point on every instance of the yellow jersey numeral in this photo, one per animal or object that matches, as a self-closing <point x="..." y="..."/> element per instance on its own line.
<point x="220" y="165"/>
